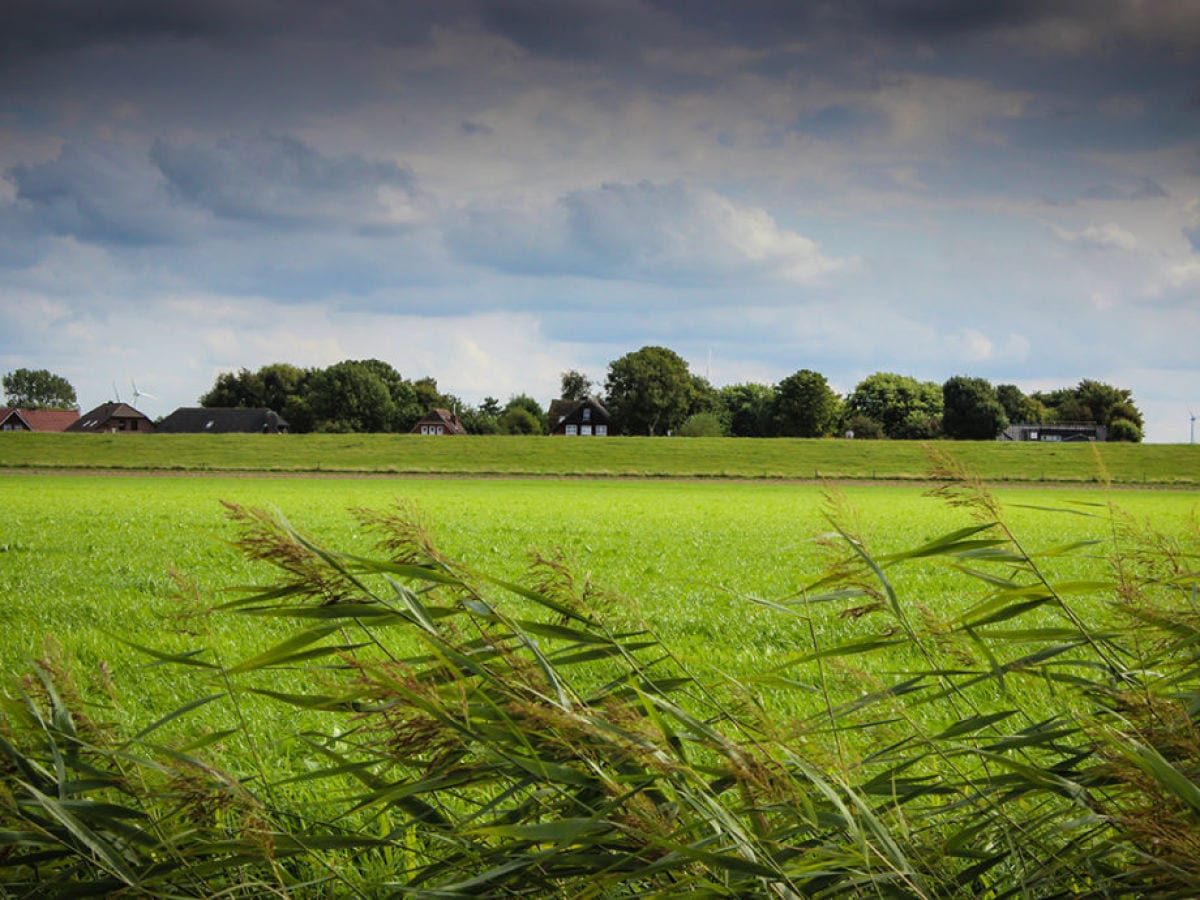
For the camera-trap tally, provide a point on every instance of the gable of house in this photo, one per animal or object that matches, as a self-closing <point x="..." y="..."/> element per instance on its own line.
<point x="579" y="418"/>
<point x="112" y="417"/>
<point x="438" y="421"/>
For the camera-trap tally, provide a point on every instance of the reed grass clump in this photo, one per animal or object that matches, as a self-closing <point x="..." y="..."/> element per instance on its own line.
<point x="484" y="737"/>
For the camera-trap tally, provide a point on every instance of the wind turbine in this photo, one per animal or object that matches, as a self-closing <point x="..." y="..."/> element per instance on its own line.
<point x="1192" y="418"/>
<point x="137" y="393"/>
<point x="116" y="393"/>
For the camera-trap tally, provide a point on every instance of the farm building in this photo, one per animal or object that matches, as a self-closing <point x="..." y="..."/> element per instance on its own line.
<point x="439" y="421"/>
<point x="223" y="420"/>
<point x="1058" y="432"/>
<point x="110" y="418"/>
<point x="12" y="419"/>
<point x="579" y="418"/>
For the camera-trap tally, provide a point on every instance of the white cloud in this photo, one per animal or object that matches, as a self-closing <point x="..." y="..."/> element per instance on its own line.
<point x="1109" y="236"/>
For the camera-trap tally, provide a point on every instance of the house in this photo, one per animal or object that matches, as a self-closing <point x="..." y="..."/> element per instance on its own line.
<point x="439" y="421"/>
<point x="1058" y="432"/>
<point x="12" y="419"/>
<point x="110" y="418"/>
<point x="223" y="420"/>
<point x="579" y="418"/>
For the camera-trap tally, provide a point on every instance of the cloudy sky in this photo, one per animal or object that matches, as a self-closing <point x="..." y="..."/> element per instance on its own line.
<point x="493" y="192"/>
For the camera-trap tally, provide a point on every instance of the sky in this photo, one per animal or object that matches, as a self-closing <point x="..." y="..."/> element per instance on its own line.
<point x="491" y="192"/>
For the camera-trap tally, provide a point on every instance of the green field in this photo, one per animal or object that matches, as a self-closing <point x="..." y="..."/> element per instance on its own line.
<point x="723" y="572"/>
<point x="84" y="557"/>
<point x="780" y="458"/>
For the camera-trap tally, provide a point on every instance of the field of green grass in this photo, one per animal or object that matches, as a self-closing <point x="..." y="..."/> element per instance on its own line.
<point x="723" y="572"/>
<point x="782" y="458"/>
<point x="87" y="557"/>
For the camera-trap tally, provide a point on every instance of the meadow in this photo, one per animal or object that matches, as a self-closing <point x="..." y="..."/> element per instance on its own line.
<point x="85" y="559"/>
<point x="768" y="459"/>
<point x="732" y="579"/>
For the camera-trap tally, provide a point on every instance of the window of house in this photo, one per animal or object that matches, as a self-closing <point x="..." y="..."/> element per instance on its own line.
<point x="587" y="414"/>
<point x="424" y="429"/>
<point x="601" y="431"/>
<point x="572" y="430"/>
<point x="585" y="430"/>
<point x="441" y="430"/>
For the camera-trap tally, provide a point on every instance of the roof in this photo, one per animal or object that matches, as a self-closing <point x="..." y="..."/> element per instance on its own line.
<point x="42" y="419"/>
<point x="442" y="417"/>
<point x="222" y="420"/>
<point x="95" y="419"/>
<point x="565" y="409"/>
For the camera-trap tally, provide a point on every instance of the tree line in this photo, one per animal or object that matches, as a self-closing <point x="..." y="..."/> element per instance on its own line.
<point x="653" y="392"/>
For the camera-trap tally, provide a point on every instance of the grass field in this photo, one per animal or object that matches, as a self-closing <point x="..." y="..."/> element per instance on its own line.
<point x="718" y="569"/>
<point x="83" y="558"/>
<point x="784" y="458"/>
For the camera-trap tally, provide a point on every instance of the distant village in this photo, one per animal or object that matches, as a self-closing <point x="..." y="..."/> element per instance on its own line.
<point x="649" y="392"/>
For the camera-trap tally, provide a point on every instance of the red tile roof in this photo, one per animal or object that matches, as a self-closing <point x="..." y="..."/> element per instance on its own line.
<point x="43" y="419"/>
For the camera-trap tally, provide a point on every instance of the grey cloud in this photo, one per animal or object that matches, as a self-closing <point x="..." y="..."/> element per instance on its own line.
<point x="664" y="233"/>
<point x="1192" y="233"/>
<point x="100" y="192"/>
<point x="281" y="181"/>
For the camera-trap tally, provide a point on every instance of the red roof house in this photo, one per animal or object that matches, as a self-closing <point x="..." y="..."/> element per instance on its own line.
<point x="439" y="421"/>
<point x="12" y="419"/>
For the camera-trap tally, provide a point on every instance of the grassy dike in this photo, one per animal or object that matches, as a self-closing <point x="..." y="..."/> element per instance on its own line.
<point x="780" y="458"/>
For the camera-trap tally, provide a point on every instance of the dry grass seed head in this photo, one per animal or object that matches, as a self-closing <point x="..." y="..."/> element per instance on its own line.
<point x="265" y="538"/>
<point x="960" y="487"/>
<point x="402" y="534"/>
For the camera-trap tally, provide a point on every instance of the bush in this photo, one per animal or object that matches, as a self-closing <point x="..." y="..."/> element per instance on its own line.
<point x="702" y="425"/>
<point x="1124" y="430"/>
<point x="864" y="428"/>
<point x="492" y="738"/>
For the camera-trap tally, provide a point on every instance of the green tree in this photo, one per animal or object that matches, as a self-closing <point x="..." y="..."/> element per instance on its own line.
<point x="748" y="409"/>
<point x="278" y="386"/>
<point x="38" y="389"/>
<point x="971" y="411"/>
<point x="1018" y="407"/>
<point x="1092" y="401"/>
<point x="575" y="385"/>
<point x="519" y="420"/>
<point x="804" y="405"/>
<point x="903" y="406"/>
<point x="477" y="420"/>
<point x="350" y="396"/>
<point x="648" y="391"/>
<point x="406" y="406"/>
<point x="531" y="406"/>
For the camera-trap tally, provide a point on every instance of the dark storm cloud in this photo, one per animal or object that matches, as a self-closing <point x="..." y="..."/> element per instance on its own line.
<point x="279" y="181"/>
<point x="109" y="193"/>
<point x="100" y="193"/>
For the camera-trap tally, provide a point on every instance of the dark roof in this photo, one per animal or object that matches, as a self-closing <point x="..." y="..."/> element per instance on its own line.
<point x="443" y="417"/>
<point x="95" y="419"/>
<point x="41" y="419"/>
<point x="222" y="420"/>
<point x="562" y="410"/>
